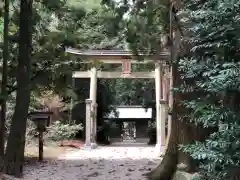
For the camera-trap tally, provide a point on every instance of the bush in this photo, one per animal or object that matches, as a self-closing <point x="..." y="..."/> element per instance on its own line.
<point x="31" y="132"/>
<point x="59" y="131"/>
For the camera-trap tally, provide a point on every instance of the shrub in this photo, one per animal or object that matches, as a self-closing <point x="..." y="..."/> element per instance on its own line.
<point x="59" y="131"/>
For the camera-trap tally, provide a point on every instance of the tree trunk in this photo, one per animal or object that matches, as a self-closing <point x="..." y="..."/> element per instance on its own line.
<point x="181" y="132"/>
<point x="14" y="157"/>
<point x="4" y="79"/>
<point x="168" y="165"/>
<point x="169" y="162"/>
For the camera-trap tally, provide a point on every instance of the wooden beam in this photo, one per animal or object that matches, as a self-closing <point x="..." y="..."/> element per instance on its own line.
<point x="117" y="60"/>
<point x="115" y="56"/>
<point x="114" y="75"/>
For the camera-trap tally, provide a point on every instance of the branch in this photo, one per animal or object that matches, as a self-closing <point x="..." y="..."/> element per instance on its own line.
<point x="33" y="80"/>
<point x="174" y="13"/>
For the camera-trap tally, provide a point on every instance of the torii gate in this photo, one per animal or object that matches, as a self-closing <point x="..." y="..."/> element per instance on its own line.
<point x="126" y="58"/>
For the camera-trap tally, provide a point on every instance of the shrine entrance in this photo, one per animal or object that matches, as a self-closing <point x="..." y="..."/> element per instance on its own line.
<point x="126" y="58"/>
<point x="129" y="132"/>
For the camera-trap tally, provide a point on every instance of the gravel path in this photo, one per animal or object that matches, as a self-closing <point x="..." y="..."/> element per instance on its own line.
<point x="103" y="163"/>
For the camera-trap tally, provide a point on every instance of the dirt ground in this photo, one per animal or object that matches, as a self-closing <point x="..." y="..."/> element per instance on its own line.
<point x="114" y="162"/>
<point x="51" y="151"/>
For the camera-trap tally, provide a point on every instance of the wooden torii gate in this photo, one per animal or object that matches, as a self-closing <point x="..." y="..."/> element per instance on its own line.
<point x="126" y="58"/>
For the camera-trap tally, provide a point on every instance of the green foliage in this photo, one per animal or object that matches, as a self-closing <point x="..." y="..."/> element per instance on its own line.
<point x="1" y="26"/>
<point x="135" y="91"/>
<point x="210" y="74"/>
<point x="144" y="22"/>
<point x="60" y="24"/>
<point x="80" y="24"/>
<point x="9" y="114"/>
<point x="59" y="131"/>
<point x="57" y="25"/>
<point x="31" y="132"/>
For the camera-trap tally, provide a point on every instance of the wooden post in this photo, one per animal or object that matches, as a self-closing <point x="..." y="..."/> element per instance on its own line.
<point x="170" y="100"/>
<point x="93" y="97"/>
<point x="40" y="146"/>
<point x="163" y="112"/>
<point x="164" y="87"/>
<point x="160" y="121"/>
<point x="88" y="128"/>
<point x="93" y="85"/>
<point x="164" y="103"/>
<point x="94" y="122"/>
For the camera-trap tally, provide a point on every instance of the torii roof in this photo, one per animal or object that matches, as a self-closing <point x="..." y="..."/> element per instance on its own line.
<point x="113" y="53"/>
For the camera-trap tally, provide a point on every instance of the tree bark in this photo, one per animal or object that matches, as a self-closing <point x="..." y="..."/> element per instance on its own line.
<point x="4" y="79"/>
<point x="14" y="157"/>
<point x="168" y="166"/>
<point x="182" y="132"/>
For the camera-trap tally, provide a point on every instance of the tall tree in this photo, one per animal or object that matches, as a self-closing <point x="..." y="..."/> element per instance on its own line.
<point x="13" y="163"/>
<point x="4" y="78"/>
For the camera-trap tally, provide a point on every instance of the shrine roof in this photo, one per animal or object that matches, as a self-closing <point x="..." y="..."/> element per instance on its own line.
<point x="110" y="52"/>
<point x="131" y="112"/>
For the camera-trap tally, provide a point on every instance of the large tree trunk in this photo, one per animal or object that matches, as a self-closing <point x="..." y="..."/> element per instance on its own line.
<point x="4" y="79"/>
<point x="181" y="131"/>
<point x="179" y="134"/>
<point x="14" y="157"/>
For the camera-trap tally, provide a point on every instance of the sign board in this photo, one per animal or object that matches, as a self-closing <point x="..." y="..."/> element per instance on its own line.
<point x="38" y="115"/>
<point x="126" y="67"/>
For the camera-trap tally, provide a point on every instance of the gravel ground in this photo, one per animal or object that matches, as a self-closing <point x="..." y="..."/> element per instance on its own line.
<point x="116" y="162"/>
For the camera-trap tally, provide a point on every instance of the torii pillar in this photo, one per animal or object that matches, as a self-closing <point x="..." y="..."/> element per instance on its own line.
<point x="91" y="126"/>
<point x="160" y="110"/>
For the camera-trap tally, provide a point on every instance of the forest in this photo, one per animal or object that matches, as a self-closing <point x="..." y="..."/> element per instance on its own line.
<point x="204" y="44"/>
